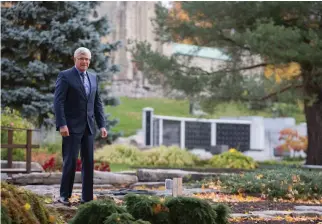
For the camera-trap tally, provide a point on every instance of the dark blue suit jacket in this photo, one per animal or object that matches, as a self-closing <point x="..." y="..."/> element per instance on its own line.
<point x="72" y="107"/>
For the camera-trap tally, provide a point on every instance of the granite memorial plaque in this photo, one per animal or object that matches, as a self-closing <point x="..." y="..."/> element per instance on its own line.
<point x="171" y="132"/>
<point x="198" y="135"/>
<point x="234" y="135"/>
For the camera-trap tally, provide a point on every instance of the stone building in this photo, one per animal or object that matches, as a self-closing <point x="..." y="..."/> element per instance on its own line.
<point x="131" y="20"/>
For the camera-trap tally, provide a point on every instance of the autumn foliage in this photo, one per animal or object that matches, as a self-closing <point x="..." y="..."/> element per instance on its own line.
<point x="176" y="13"/>
<point x="292" y="141"/>
<point x="278" y="72"/>
<point x="281" y="72"/>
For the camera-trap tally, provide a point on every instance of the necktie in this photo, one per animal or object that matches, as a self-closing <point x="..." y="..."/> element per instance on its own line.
<point x="83" y="77"/>
<point x="85" y="83"/>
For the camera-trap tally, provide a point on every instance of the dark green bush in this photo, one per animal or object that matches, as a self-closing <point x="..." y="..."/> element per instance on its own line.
<point x="184" y="210"/>
<point x="123" y="218"/>
<point x="223" y="212"/>
<point x="289" y="183"/>
<point x="178" y="210"/>
<point x="96" y="212"/>
<point x="149" y="208"/>
<point x="141" y="222"/>
<point x="5" y="219"/>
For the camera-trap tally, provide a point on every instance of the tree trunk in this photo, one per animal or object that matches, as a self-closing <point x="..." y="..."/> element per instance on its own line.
<point x="191" y="106"/>
<point x="313" y="115"/>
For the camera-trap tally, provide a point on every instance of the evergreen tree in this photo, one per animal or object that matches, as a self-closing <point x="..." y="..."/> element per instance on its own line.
<point x="286" y="35"/>
<point x="38" y="40"/>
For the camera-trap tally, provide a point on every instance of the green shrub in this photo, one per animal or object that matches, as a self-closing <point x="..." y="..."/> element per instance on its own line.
<point x="160" y="156"/>
<point x="119" y="154"/>
<point x="172" y="156"/>
<point x="178" y="210"/>
<point x="53" y="147"/>
<point x="12" y="118"/>
<point x="276" y="183"/>
<point x="184" y="210"/>
<point x="96" y="212"/>
<point x="23" y="206"/>
<point x="17" y="154"/>
<point x="223" y="212"/>
<point x="233" y="159"/>
<point x="141" y="222"/>
<point x="123" y="218"/>
<point x="148" y="208"/>
<point x="5" y="219"/>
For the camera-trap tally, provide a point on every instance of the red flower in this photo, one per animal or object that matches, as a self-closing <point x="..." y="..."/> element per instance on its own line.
<point x="49" y="164"/>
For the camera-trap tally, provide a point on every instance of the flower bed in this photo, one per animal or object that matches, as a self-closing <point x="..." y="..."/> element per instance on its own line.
<point x="55" y="164"/>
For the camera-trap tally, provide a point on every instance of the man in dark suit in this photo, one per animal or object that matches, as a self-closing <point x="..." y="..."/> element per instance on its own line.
<point x="77" y="103"/>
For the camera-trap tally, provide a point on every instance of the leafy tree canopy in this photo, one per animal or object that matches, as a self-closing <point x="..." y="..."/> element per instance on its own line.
<point x="285" y="36"/>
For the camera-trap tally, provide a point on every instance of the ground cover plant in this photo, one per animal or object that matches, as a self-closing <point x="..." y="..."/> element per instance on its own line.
<point x="287" y="183"/>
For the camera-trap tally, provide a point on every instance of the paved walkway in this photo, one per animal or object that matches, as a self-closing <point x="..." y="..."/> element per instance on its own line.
<point x="108" y="191"/>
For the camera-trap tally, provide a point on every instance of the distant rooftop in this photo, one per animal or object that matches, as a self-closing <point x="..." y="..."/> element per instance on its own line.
<point x="197" y="51"/>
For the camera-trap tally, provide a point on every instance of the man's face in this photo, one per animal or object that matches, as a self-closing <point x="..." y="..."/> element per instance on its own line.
<point x="82" y="62"/>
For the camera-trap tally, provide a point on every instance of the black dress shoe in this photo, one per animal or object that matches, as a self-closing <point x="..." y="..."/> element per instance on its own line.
<point x="64" y="201"/>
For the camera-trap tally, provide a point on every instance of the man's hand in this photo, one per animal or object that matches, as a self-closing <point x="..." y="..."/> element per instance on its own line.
<point x="64" y="131"/>
<point x="103" y="133"/>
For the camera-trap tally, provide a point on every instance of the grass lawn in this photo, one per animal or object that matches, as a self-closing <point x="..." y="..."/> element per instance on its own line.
<point x="119" y="167"/>
<point x="129" y="112"/>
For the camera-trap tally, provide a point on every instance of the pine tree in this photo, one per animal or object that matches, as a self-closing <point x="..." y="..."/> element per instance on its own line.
<point x="38" y="40"/>
<point x="286" y="35"/>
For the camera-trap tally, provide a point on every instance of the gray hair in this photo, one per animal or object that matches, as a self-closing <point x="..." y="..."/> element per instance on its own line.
<point x="82" y="50"/>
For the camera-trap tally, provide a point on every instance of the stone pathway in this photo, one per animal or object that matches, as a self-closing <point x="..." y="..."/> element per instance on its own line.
<point x="105" y="187"/>
<point x="109" y="191"/>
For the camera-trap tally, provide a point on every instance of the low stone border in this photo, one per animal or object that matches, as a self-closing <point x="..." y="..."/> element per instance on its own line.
<point x="157" y="175"/>
<point x="309" y="211"/>
<point x="100" y="177"/>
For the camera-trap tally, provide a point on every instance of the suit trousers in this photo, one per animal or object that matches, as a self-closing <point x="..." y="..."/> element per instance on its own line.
<point x="70" y="149"/>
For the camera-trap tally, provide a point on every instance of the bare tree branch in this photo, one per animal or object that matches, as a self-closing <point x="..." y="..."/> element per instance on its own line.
<point x="227" y="70"/>
<point x="281" y="91"/>
<point x="251" y="66"/>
